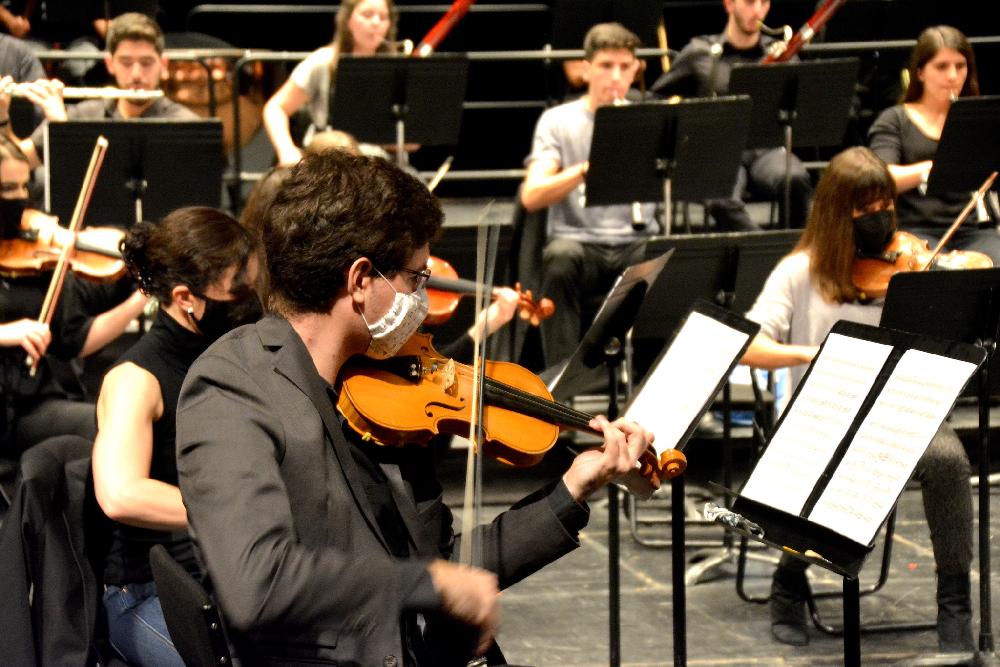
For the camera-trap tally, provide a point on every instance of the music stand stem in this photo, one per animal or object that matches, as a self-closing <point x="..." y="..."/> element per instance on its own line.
<point x="985" y="603"/>
<point x="787" y="119"/>
<point x="399" y="111"/>
<point x="612" y="360"/>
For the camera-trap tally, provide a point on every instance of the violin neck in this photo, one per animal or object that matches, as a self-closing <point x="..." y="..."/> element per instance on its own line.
<point x="510" y="398"/>
<point x="457" y="285"/>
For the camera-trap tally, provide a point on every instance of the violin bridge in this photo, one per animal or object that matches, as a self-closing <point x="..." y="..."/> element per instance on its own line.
<point x="443" y="375"/>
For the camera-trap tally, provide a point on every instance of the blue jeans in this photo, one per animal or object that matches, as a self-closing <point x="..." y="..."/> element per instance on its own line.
<point x="137" y="628"/>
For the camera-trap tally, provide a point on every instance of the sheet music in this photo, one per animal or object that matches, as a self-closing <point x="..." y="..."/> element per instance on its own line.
<point x="816" y="422"/>
<point x="885" y="450"/>
<point x="685" y="379"/>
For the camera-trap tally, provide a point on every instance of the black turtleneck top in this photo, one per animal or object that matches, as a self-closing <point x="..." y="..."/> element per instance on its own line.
<point x="166" y="351"/>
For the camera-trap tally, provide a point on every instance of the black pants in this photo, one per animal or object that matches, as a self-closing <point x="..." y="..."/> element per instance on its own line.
<point x="576" y="276"/>
<point x="762" y="173"/>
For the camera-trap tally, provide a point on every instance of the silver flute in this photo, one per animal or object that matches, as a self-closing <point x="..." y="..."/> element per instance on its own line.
<point x="101" y="93"/>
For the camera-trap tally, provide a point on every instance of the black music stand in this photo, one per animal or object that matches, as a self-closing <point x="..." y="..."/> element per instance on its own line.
<point x="808" y="531"/>
<point x="151" y="168"/>
<point x="717" y="339"/>
<point x="393" y="100"/>
<point x="963" y="306"/>
<point x="689" y="151"/>
<point x="969" y="149"/>
<point x="797" y="104"/>
<point x="602" y="350"/>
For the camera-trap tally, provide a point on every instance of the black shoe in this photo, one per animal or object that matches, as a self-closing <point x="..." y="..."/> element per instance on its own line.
<point x="954" y="619"/>
<point x="788" y="607"/>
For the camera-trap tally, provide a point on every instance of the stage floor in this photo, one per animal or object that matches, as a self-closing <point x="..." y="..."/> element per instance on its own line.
<point x="559" y="616"/>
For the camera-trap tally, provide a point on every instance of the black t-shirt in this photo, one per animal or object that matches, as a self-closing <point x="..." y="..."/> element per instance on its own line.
<point x="697" y="73"/>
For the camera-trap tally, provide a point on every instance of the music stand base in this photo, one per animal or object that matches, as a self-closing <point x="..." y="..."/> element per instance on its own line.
<point x="719" y="558"/>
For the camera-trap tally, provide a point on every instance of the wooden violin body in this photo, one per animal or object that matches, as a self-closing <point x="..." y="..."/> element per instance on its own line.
<point x="907" y="252"/>
<point x="419" y="393"/>
<point x="95" y="255"/>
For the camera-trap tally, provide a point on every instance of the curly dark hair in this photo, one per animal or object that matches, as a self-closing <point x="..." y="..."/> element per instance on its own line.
<point x="332" y="209"/>
<point x="191" y="246"/>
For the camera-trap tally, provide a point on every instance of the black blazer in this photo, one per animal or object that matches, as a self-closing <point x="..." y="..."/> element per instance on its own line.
<point x="283" y="525"/>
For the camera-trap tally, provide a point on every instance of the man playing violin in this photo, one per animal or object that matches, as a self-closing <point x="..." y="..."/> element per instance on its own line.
<point x="587" y="246"/>
<point x="319" y="543"/>
<point x="702" y="69"/>
<point x="134" y="60"/>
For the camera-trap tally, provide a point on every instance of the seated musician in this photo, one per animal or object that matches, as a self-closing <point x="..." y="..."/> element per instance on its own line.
<point x="809" y="291"/>
<point x="134" y="60"/>
<point x="587" y="246"/>
<point x="199" y="263"/>
<point x="363" y="28"/>
<point x="942" y="68"/>
<point x="51" y="402"/>
<point x="702" y="69"/>
<point x="320" y="544"/>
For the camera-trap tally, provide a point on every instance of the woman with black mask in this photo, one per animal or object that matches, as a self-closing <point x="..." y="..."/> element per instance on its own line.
<point x="806" y="294"/>
<point x="199" y="263"/>
<point x="50" y="402"/>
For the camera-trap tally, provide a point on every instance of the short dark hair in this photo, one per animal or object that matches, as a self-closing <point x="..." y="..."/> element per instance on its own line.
<point x="609" y="36"/>
<point x="333" y="209"/>
<point x="134" y="26"/>
<point x="192" y="246"/>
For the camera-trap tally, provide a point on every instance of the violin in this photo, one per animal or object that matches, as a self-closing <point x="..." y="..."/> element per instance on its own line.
<point x="419" y="393"/>
<point x="95" y="255"/>
<point x="445" y="290"/>
<point x="907" y="252"/>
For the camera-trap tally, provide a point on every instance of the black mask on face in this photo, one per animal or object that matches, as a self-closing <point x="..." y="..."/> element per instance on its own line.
<point x="11" y="211"/>
<point x="873" y="231"/>
<point x="220" y="317"/>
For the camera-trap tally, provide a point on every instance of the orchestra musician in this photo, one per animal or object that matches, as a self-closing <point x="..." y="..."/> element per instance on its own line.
<point x="320" y="544"/>
<point x="809" y="291"/>
<point x="135" y="61"/>
<point x="587" y="246"/>
<point x="702" y="69"/>
<point x="362" y="28"/>
<point x="52" y="402"/>
<point x="942" y="68"/>
<point x="199" y="263"/>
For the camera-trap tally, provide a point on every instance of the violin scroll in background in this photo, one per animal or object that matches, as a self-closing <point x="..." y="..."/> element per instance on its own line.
<point x="419" y="393"/>
<point x="445" y="290"/>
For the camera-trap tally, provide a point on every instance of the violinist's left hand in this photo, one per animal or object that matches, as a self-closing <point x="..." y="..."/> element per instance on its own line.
<point x="624" y="442"/>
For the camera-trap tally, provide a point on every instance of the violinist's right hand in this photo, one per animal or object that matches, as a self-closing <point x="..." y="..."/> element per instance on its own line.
<point x="32" y="335"/>
<point x="469" y="595"/>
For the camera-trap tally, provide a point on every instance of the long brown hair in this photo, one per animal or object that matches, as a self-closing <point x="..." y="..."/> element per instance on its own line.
<point x="343" y="40"/>
<point x="931" y="41"/>
<point x="855" y="179"/>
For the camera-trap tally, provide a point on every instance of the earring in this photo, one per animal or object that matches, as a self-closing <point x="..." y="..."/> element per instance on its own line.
<point x="190" y="312"/>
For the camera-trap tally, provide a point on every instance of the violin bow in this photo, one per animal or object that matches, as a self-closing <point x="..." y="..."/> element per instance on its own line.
<point x="486" y="249"/>
<point x="976" y="196"/>
<point x="75" y="223"/>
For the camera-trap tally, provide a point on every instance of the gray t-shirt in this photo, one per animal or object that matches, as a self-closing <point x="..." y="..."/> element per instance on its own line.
<point x="563" y="134"/>
<point x="790" y="310"/>
<point x="312" y="75"/>
<point x="162" y="107"/>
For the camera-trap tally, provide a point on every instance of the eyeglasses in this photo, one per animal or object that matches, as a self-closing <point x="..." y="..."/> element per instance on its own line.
<point x="417" y="278"/>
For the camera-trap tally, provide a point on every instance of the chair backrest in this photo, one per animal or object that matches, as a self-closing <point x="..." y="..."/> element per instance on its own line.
<point x="192" y="618"/>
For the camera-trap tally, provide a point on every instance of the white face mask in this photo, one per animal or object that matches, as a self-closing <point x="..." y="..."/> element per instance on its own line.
<point x="402" y="320"/>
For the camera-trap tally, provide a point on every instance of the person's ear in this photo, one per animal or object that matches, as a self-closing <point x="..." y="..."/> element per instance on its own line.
<point x="109" y="64"/>
<point x="183" y="297"/>
<point x="359" y="276"/>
